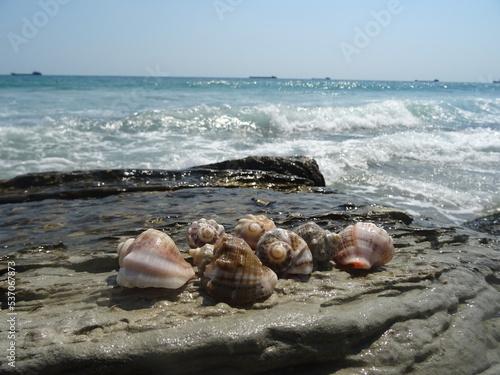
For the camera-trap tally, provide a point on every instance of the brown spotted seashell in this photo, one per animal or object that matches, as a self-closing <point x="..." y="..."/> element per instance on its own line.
<point x="285" y="253"/>
<point x="203" y="231"/>
<point x="235" y="275"/>
<point x="252" y="227"/>
<point x="152" y="260"/>
<point x="321" y="242"/>
<point x="364" y="245"/>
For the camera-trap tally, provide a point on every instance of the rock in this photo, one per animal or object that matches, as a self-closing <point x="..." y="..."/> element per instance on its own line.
<point x="435" y="307"/>
<point x="300" y="166"/>
<point x="488" y="224"/>
<point x="286" y="174"/>
<point x="380" y="212"/>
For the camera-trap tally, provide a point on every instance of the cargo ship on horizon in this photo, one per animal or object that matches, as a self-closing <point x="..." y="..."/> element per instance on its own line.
<point x="26" y="74"/>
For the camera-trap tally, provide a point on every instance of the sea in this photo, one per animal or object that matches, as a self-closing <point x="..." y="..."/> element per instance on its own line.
<point x="429" y="148"/>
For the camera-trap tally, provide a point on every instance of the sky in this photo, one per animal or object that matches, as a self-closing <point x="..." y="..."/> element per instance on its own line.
<point x="449" y="40"/>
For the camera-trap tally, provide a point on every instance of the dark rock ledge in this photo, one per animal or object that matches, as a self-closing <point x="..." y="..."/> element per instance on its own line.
<point x="435" y="309"/>
<point x="285" y="174"/>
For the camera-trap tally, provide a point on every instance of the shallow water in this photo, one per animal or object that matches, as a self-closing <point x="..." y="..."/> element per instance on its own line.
<point x="84" y="225"/>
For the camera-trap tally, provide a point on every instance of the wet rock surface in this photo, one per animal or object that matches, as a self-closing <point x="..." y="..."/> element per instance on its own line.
<point x="488" y="224"/>
<point x="285" y="174"/>
<point x="434" y="309"/>
<point x="292" y="166"/>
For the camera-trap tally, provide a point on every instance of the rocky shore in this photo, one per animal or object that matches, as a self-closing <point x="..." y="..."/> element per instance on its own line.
<point x="434" y="309"/>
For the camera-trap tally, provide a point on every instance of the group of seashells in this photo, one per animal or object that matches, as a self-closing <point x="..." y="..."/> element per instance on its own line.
<point x="244" y="267"/>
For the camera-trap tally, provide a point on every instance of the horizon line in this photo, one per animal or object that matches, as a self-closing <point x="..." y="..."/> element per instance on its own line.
<point x="327" y="78"/>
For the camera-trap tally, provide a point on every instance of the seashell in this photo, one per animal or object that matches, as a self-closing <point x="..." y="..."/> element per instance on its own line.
<point x="285" y="253"/>
<point x="364" y="245"/>
<point x="252" y="227"/>
<point x="123" y="249"/>
<point x="203" y="231"/>
<point x="235" y="275"/>
<point x="321" y="242"/>
<point x="202" y="256"/>
<point x="152" y="260"/>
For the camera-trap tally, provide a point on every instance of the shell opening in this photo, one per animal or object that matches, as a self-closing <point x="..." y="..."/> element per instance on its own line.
<point x="357" y="263"/>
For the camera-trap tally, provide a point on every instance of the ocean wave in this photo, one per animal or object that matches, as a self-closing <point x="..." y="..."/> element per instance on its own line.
<point x="281" y="119"/>
<point x="461" y="112"/>
<point x="359" y="136"/>
<point x="271" y="120"/>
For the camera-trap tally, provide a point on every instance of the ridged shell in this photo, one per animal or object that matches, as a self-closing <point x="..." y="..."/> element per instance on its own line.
<point x="285" y="253"/>
<point x="321" y="242"/>
<point x="235" y="275"/>
<point x="364" y="245"/>
<point x="203" y="231"/>
<point x="202" y="256"/>
<point x="252" y="227"/>
<point x="152" y="260"/>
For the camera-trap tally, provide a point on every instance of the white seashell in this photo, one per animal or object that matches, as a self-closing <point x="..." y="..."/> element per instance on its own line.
<point x="235" y="275"/>
<point x="285" y="253"/>
<point x="152" y="260"/>
<point x="203" y="231"/>
<point x="321" y="242"/>
<point x="202" y="256"/>
<point x="252" y="227"/>
<point x="364" y="245"/>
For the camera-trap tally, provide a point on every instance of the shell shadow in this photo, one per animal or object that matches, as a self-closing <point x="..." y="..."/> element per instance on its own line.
<point x="323" y="267"/>
<point x="138" y="298"/>
<point x="207" y="300"/>
<point x="298" y="278"/>
<point x="359" y="272"/>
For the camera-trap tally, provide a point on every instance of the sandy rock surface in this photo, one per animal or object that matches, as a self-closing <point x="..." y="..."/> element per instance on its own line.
<point x="434" y="309"/>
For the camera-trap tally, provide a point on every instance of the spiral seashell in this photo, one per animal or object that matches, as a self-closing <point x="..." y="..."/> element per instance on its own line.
<point x="321" y="242"/>
<point x="235" y="275"/>
<point x="202" y="256"/>
<point x="364" y="245"/>
<point x="203" y="231"/>
<point x="252" y="227"/>
<point x="285" y="253"/>
<point x="152" y="260"/>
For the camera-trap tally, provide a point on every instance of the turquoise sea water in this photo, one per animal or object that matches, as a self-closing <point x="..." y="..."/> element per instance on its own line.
<point x="431" y="148"/>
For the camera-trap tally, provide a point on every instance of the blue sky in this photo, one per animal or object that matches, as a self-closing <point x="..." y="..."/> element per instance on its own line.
<point x="452" y="40"/>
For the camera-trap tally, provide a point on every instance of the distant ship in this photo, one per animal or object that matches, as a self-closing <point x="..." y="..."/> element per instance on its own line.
<point x="496" y="81"/>
<point x="262" y="77"/>
<point x="436" y="80"/>
<point x="26" y="74"/>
